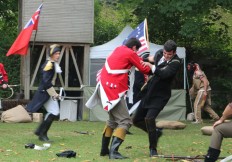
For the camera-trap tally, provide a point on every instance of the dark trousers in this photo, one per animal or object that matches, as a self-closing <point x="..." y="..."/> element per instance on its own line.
<point x="142" y="113"/>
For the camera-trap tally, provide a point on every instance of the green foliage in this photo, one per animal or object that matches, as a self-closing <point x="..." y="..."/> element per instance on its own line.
<point x="110" y="18"/>
<point x="8" y="30"/>
<point x="200" y="27"/>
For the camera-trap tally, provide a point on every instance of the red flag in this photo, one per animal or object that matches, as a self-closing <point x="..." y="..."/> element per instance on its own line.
<point x="21" y="43"/>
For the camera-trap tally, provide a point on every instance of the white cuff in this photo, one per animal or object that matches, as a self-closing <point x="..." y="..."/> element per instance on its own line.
<point x="153" y="68"/>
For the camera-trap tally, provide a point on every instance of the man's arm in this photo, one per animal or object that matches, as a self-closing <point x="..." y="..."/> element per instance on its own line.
<point x="47" y="79"/>
<point x="225" y="115"/>
<point x="206" y="84"/>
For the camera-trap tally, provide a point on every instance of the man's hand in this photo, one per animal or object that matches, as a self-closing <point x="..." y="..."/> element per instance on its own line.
<point x="146" y="64"/>
<point x="56" y="97"/>
<point x="218" y="122"/>
<point x="205" y="95"/>
<point x="4" y="86"/>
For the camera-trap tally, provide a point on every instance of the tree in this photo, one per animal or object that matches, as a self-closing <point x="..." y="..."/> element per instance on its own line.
<point x="8" y="30"/>
<point x="110" y="18"/>
<point x="194" y="24"/>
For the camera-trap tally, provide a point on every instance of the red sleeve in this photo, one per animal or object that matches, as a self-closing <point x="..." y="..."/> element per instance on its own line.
<point x="4" y="74"/>
<point x="136" y="61"/>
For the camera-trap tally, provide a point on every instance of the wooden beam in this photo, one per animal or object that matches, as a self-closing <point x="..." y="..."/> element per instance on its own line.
<point x="66" y="66"/>
<point x="76" y="67"/>
<point x="61" y="55"/>
<point x="27" y="74"/>
<point x="86" y="64"/>
<point x="37" y="66"/>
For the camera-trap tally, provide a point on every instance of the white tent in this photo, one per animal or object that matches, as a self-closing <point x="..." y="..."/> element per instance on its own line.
<point x="99" y="53"/>
<point x="102" y="51"/>
<point x="175" y="109"/>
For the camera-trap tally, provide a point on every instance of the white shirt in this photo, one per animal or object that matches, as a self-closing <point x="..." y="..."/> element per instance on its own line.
<point x="160" y="62"/>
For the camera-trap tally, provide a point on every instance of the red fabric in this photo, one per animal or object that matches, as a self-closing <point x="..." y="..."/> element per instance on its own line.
<point x="21" y="43"/>
<point x="121" y="58"/>
<point x="4" y="74"/>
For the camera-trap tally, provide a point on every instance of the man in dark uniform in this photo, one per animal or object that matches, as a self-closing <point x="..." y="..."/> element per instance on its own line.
<point x="157" y="92"/>
<point x="46" y="95"/>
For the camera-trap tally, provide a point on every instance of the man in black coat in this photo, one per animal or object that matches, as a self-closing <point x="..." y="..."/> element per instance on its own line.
<point x="157" y="92"/>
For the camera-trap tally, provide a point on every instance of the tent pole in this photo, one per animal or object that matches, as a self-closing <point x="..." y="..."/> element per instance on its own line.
<point x="185" y="76"/>
<point x="190" y="99"/>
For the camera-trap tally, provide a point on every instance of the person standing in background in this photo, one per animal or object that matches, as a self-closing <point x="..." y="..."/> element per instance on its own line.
<point x="201" y="91"/>
<point x="3" y="77"/>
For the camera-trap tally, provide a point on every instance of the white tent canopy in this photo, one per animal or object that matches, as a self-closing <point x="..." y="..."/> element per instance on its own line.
<point x="102" y="51"/>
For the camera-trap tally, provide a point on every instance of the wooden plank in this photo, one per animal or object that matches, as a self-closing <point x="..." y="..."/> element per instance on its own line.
<point x="57" y="88"/>
<point x="66" y="21"/>
<point x="66" y="66"/>
<point x="86" y="64"/>
<point x="76" y="67"/>
<point x="61" y="55"/>
<point x="27" y="74"/>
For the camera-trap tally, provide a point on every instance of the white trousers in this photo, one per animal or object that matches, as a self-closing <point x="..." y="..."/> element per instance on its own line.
<point x="52" y="107"/>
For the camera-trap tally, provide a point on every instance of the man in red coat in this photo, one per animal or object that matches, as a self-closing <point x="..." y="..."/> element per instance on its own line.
<point x="110" y="90"/>
<point x="3" y="76"/>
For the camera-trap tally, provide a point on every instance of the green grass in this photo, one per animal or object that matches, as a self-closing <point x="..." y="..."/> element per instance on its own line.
<point x="185" y="142"/>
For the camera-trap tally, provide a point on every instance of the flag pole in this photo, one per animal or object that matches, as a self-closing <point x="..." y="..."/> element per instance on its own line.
<point x="146" y="32"/>
<point x="33" y="43"/>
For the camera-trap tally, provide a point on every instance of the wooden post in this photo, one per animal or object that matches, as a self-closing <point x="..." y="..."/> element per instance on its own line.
<point x="26" y="75"/>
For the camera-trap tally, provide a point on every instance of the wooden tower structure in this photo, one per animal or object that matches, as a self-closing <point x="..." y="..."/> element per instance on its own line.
<point x="68" y="23"/>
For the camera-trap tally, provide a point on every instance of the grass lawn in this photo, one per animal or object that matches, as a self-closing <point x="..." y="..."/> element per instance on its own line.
<point x="185" y="142"/>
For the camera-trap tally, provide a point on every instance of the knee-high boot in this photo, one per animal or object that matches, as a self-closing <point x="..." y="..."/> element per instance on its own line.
<point x="212" y="155"/>
<point x="43" y="128"/>
<point x="153" y="136"/>
<point x="107" y="133"/>
<point x="118" y="138"/>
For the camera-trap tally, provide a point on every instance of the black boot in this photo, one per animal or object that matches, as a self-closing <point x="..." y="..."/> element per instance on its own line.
<point x="44" y="127"/>
<point x="212" y="155"/>
<point x="152" y="136"/>
<point x="105" y="145"/>
<point x="107" y="133"/>
<point x="114" y="154"/>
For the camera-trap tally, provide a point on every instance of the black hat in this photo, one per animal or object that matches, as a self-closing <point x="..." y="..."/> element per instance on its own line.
<point x="54" y="48"/>
<point x="67" y="154"/>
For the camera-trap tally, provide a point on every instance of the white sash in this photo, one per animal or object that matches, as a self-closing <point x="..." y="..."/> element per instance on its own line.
<point x="110" y="71"/>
